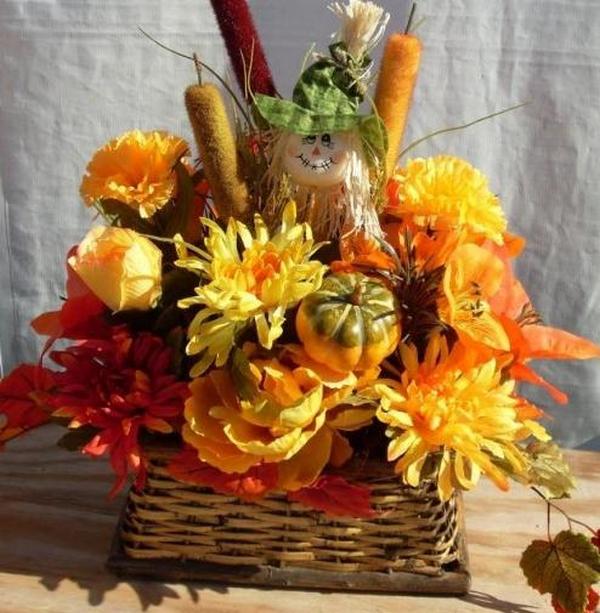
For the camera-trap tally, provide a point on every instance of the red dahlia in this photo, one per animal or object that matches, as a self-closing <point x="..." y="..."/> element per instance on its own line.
<point x="119" y="386"/>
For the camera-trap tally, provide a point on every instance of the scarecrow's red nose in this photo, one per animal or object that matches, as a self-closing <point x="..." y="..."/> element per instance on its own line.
<point x="316" y="151"/>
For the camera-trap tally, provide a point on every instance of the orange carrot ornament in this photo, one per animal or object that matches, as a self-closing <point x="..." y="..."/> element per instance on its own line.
<point x="397" y="77"/>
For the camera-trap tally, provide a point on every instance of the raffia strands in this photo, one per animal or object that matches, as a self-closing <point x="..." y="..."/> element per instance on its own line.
<point x="244" y="47"/>
<point x="397" y="78"/>
<point x="414" y="531"/>
<point x="217" y="149"/>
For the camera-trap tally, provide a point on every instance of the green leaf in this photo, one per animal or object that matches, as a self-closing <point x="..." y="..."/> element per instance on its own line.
<point x="375" y="139"/>
<point x="183" y="203"/>
<point x="565" y="568"/>
<point x="124" y="216"/>
<point x="75" y="439"/>
<point x="244" y="381"/>
<point x="175" y="339"/>
<point x="549" y="469"/>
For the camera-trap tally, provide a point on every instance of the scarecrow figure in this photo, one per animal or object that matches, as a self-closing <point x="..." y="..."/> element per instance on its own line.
<point x="324" y="154"/>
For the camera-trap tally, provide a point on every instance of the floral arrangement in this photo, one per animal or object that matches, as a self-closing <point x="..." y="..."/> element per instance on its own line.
<point x="294" y="301"/>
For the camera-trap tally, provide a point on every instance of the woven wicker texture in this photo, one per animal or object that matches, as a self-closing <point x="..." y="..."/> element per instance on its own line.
<point x="414" y="531"/>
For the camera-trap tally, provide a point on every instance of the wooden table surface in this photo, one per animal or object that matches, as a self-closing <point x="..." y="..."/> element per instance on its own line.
<point x="56" y="527"/>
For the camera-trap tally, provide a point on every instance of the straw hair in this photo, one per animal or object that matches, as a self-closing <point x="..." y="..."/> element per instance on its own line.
<point x="397" y="78"/>
<point x="331" y="212"/>
<point x="217" y="149"/>
<point x="414" y="530"/>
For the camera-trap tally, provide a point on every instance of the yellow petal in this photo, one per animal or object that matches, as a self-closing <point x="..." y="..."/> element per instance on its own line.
<point x="306" y="465"/>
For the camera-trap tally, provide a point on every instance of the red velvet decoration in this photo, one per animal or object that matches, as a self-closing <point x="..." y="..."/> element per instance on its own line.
<point x="240" y="35"/>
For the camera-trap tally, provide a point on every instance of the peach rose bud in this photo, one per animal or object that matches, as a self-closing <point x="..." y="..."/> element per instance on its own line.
<point x="121" y="267"/>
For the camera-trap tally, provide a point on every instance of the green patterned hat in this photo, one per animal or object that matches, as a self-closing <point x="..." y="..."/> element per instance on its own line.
<point x="326" y="98"/>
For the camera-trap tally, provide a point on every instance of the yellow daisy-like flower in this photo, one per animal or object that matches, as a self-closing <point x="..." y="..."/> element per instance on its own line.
<point x="447" y="193"/>
<point x="136" y="169"/>
<point x="256" y="286"/>
<point x="467" y="418"/>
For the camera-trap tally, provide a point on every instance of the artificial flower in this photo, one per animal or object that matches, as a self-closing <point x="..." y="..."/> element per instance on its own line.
<point x="120" y="266"/>
<point x="24" y="396"/>
<point x="119" y="387"/>
<point x="136" y="169"/>
<point x="280" y="415"/>
<point x="469" y="417"/>
<point x="80" y="316"/>
<point x="359" y="252"/>
<point x="472" y="277"/>
<point x="528" y="338"/>
<point x="445" y="192"/>
<point x="255" y="286"/>
<point x="186" y="466"/>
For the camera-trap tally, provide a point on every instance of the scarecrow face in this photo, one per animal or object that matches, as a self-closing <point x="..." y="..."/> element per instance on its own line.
<point x="319" y="160"/>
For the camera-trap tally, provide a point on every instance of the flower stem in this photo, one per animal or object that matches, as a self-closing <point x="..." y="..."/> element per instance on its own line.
<point x="570" y="520"/>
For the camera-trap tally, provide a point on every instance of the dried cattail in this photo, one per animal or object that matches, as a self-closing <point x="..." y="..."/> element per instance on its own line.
<point x="217" y="149"/>
<point x="244" y="47"/>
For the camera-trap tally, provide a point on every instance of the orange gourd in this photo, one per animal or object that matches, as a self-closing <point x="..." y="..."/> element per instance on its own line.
<point x="350" y="323"/>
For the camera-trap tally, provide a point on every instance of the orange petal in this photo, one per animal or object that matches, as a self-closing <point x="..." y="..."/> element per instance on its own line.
<point x="521" y="372"/>
<point x="304" y="467"/>
<point x="551" y="343"/>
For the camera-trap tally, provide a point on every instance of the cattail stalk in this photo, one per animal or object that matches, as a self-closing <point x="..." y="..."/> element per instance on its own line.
<point x="244" y="47"/>
<point x="395" y="85"/>
<point x="217" y="149"/>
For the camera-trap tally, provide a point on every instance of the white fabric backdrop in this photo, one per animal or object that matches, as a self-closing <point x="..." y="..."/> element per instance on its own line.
<point x="74" y="73"/>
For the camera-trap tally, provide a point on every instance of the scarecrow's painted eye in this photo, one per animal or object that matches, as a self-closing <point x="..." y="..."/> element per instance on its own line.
<point x="326" y="140"/>
<point x="309" y="140"/>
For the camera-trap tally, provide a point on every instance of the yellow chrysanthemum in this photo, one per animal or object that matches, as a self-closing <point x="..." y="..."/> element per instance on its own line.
<point x="256" y="286"/>
<point x="136" y="169"/>
<point x="447" y="193"/>
<point x="468" y="418"/>
<point x="288" y="415"/>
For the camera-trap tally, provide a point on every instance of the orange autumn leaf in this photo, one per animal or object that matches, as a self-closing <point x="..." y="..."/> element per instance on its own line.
<point x="254" y="483"/>
<point x="336" y="497"/>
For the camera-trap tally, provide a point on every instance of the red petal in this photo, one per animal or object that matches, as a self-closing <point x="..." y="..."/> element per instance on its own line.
<point x="254" y="483"/>
<point x="23" y="400"/>
<point x="336" y="497"/>
<point x="593" y="598"/>
<point x="596" y="539"/>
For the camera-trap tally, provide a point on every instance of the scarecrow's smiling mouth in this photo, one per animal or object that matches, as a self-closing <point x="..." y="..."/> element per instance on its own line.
<point x="322" y="166"/>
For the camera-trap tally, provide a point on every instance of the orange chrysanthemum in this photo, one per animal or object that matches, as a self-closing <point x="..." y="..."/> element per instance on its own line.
<point x="445" y="192"/>
<point x="136" y="169"/>
<point x="470" y="417"/>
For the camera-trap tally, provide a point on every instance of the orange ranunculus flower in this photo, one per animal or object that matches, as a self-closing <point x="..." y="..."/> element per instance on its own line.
<point x="121" y="267"/>
<point x="282" y="417"/>
<point x="136" y="169"/>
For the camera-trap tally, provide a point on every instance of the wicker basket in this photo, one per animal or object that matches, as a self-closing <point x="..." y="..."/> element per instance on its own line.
<point x="176" y="531"/>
